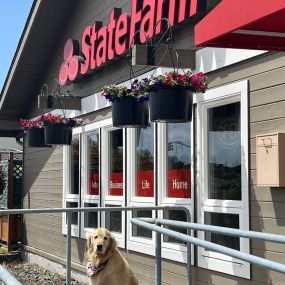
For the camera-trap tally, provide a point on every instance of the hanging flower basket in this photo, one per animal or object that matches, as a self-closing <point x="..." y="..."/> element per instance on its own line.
<point x="171" y="95"/>
<point x="58" y="135"/>
<point x="49" y="130"/>
<point x="36" y="138"/>
<point x="35" y="132"/>
<point x="58" y="129"/>
<point x="129" y="105"/>
<point x="171" y="105"/>
<point x="128" y="112"/>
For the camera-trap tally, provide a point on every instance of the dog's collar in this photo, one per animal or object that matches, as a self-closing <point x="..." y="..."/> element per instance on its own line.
<point x="93" y="270"/>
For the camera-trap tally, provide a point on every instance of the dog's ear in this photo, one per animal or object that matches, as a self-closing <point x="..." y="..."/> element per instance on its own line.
<point x="89" y="245"/>
<point x="113" y="244"/>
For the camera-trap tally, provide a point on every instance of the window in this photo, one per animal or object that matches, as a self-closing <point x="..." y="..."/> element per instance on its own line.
<point x="145" y="162"/>
<point x="159" y="174"/>
<point x="222" y="150"/>
<point x="98" y="150"/>
<point x="179" y="160"/>
<point x="141" y="180"/>
<point x="174" y="180"/>
<point x="113" y="185"/>
<point x="115" y="161"/>
<point x="93" y="164"/>
<point x="91" y="218"/>
<point x="71" y="182"/>
<point x="90" y="178"/>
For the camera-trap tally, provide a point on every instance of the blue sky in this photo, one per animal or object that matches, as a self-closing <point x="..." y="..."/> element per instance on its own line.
<point x="13" y="16"/>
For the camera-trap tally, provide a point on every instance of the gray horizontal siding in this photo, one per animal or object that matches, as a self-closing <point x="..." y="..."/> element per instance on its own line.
<point x="43" y="186"/>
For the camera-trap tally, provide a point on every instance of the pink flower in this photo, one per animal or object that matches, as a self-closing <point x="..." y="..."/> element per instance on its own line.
<point x="181" y="77"/>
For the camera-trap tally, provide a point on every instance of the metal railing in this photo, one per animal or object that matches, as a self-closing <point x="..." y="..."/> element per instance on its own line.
<point x="147" y="223"/>
<point x="155" y="226"/>
<point x="69" y="212"/>
<point x="7" y="278"/>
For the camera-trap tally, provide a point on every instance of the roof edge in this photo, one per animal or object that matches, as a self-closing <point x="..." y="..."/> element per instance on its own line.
<point x="22" y="42"/>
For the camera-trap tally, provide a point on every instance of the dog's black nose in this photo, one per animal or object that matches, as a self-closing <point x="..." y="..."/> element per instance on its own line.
<point x="99" y="247"/>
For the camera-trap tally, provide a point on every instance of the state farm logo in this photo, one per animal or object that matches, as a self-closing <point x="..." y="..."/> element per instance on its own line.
<point x="100" y="43"/>
<point x="70" y="68"/>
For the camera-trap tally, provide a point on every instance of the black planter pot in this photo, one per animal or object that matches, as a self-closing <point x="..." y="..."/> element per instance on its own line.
<point x="128" y="112"/>
<point x="171" y="105"/>
<point x="36" y="138"/>
<point x="58" y="135"/>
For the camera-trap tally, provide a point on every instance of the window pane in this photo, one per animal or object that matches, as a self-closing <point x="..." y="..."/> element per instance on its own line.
<point x="114" y="220"/>
<point x="139" y="231"/>
<point x="179" y="160"/>
<point x="224" y="152"/>
<point x="91" y="218"/>
<point x="74" y="216"/>
<point x="145" y="160"/>
<point x="222" y="220"/>
<point x="177" y="216"/>
<point x="75" y="166"/>
<point x="93" y="164"/>
<point x="116" y="162"/>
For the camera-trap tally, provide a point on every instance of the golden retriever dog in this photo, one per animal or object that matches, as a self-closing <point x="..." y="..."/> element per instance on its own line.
<point x="106" y="265"/>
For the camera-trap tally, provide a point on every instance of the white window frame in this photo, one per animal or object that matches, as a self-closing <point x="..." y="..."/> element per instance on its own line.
<point x="89" y="129"/>
<point x="235" y="92"/>
<point x="109" y="199"/>
<point x="170" y="250"/>
<point x="67" y="185"/>
<point x="138" y="244"/>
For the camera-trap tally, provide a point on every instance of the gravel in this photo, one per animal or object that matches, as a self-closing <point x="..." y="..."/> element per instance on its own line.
<point x="32" y="274"/>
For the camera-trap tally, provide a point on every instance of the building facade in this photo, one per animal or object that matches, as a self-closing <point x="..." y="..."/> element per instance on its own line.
<point x="207" y="165"/>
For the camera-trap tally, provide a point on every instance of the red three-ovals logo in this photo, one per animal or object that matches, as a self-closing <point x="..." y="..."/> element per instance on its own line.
<point x="70" y="68"/>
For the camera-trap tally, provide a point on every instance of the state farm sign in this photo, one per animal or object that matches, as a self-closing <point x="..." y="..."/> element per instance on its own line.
<point x="102" y="43"/>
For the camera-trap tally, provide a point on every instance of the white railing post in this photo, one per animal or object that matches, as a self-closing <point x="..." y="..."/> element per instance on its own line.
<point x="68" y="248"/>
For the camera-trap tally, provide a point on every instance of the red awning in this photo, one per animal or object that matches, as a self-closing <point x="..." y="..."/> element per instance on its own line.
<point x="247" y="24"/>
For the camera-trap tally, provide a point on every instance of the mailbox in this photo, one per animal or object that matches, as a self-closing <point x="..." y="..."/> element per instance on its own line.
<point x="270" y="160"/>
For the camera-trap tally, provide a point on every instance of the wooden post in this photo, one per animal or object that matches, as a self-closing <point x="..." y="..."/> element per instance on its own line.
<point x="1" y="218"/>
<point x="10" y="201"/>
<point x="10" y="181"/>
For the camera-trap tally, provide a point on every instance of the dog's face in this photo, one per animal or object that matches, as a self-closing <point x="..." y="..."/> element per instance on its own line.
<point x="100" y="241"/>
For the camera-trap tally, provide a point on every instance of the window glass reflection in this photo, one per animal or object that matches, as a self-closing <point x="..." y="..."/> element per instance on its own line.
<point x="175" y="215"/>
<point x="223" y="220"/>
<point x="116" y="162"/>
<point x="139" y="231"/>
<point x="114" y="220"/>
<point x="179" y="160"/>
<point x="75" y="165"/>
<point x="145" y="161"/>
<point x="93" y="164"/>
<point x="90" y="218"/>
<point x="224" y="152"/>
<point x="74" y="216"/>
